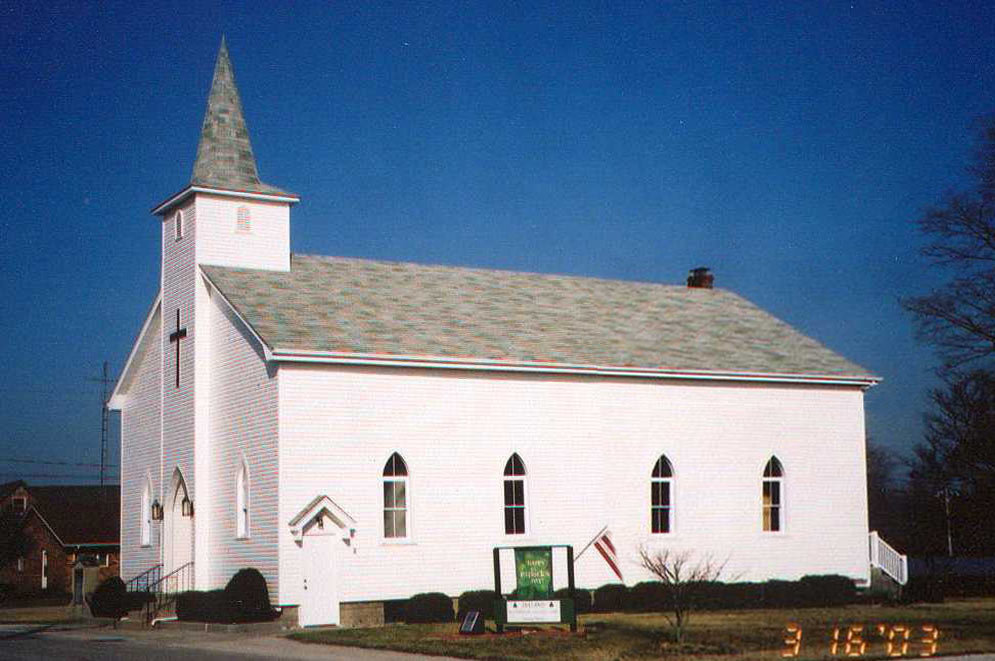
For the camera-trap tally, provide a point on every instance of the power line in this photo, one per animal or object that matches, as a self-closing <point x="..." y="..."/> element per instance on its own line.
<point x="54" y="463"/>
<point x="46" y="476"/>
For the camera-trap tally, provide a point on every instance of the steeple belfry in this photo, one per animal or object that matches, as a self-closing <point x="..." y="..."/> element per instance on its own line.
<point x="224" y="153"/>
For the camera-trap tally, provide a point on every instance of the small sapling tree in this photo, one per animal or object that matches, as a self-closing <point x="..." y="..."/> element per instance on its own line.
<point x="684" y="579"/>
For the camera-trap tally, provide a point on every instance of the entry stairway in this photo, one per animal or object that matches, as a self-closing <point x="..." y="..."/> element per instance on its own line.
<point x="891" y="563"/>
<point x="161" y="591"/>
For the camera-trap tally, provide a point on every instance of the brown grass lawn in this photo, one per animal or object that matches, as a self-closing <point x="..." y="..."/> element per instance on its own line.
<point x="964" y="626"/>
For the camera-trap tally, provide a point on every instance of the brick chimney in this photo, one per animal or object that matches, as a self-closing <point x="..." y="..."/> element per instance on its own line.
<point x="701" y="278"/>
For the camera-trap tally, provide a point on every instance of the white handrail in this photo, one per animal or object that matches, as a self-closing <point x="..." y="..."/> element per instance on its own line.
<point x="887" y="559"/>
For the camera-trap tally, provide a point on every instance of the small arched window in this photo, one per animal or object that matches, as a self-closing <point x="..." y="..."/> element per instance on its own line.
<point x="395" y="498"/>
<point x="773" y="495"/>
<point x="514" y="496"/>
<point x="661" y="495"/>
<point x="242" y="502"/>
<point x="147" y="513"/>
<point x="178" y="225"/>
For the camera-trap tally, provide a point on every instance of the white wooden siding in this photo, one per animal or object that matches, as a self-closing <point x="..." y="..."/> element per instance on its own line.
<point x="265" y="246"/>
<point x="178" y="292"/>
<point x="589" y="445"/>
<point x="243" y="424"/>
<point x="140" y="445"/>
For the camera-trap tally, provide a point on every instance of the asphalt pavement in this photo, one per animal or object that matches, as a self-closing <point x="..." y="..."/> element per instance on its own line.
<point x="90" y="643"/>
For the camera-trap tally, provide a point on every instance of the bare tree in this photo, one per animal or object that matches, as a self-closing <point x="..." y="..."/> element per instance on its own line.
<point x="959" y="318"/>
<point x="684" y="579"/>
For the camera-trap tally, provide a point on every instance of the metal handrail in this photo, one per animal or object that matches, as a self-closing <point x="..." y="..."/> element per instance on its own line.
<point x="164" y="590"/>
<point x="147" y="578"/>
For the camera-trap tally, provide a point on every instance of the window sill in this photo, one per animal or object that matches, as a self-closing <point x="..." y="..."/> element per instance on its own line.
<point x="397" y="541"/>
<point x="242" y="538"/>
<point x="145" y="546"/>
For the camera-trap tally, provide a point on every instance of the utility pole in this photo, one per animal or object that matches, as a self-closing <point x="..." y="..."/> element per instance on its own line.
<point x="104" y="421"/>
<point x="945" y="493"/>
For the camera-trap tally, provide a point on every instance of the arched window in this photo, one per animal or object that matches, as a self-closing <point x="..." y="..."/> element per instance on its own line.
<point x="395" y="497"/>
<point x="242" y="502"/>
<point x="773" y="495"/>
<point x="178" y="225"/>
<point x="147" y="513"/>
<point x="514" y="496"/>
<point x="661" y="495"/>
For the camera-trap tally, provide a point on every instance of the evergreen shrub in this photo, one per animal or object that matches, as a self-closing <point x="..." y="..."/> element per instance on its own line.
<point x="429" y="607"/>
<point x="582" y="599"/>
<point x="248" y="597"/>
<point x="477" y="600"/>
<point x="647" y="597"/>
<point x="610" y="598"/>
<point x="204" y="606"/>
<point x="110" y="599"/>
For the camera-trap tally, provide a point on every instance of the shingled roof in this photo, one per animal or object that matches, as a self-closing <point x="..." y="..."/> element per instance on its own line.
<point x="80" y="515"/>
<point x="343" y="305"/>
<point x="224" y="153"/>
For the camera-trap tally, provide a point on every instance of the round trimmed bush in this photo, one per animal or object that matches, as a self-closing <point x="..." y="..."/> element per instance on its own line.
<point x="429" y="607"/>
<point x="248" y="597"/>
<point x="110" y="599"/>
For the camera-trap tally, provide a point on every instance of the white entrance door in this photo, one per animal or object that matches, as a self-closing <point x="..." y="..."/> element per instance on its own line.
<point x="179" y="540"/>
<point x="320" y="600"/>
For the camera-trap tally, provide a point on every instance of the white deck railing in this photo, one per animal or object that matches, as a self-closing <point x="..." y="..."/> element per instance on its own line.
<point x="888" y="560"/>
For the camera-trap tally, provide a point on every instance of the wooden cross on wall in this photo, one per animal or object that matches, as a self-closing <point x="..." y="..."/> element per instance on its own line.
<point x="176" y="336"/>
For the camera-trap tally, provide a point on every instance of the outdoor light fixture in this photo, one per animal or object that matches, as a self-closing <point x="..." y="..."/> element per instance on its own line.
<point x="156" y="511"/>
<point x="187" y="507"/>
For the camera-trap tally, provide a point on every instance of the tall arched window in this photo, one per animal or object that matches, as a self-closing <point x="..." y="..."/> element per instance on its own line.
<point x="147" y="513"/>
<point x="514" y="496"/>
<point x="660" y="495"/>
<point x="242" y="501"/>
<point x="773" y="495"/>
<point x="395" y="497"/>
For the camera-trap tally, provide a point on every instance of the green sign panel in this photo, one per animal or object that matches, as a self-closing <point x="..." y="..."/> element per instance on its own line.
<point x="534" y="572"/>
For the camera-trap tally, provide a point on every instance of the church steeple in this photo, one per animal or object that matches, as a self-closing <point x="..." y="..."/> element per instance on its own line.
<point x="224" y="153"/>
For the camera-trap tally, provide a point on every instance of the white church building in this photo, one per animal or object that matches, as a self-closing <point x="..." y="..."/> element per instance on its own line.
<point x="361" y="431"/>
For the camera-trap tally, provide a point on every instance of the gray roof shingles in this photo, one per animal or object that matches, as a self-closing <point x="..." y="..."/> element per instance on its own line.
<point x="338" y="304"/>
<point x="224" y="153"/>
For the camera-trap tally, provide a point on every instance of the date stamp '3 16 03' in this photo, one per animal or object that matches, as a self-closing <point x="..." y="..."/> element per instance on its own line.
<point x="856" y="640"/>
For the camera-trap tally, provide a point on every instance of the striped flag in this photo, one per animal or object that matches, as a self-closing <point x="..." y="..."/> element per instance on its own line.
<point x="603" y="543"/>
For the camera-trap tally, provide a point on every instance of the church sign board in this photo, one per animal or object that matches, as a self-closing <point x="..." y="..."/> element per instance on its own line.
<point x="532" y="601"/>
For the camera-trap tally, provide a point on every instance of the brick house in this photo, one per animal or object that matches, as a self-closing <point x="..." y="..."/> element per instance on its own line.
<point x="53" y="527"/>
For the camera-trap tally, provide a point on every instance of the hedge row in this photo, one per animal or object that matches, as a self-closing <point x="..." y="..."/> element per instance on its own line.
<point x="935" y="587"/>
<point x="244" y="599"/>
<point x="652" y="596"/>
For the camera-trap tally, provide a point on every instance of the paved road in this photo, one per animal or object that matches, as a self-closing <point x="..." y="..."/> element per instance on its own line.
<point x="89" y="643"/>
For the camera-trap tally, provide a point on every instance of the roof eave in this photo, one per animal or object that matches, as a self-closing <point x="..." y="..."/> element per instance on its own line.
<point x="190" y="189"/>
<point x="863" y="381"/>
<point x="116" y="400"/>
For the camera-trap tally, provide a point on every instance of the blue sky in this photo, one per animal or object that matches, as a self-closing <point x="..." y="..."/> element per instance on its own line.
<point x="788" y="147"/>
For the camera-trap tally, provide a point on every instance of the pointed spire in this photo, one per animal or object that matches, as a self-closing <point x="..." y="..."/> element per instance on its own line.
<point x="224" y="154"/>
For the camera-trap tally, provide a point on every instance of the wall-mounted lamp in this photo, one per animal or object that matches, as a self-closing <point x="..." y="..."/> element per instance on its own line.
<point x="186" y="507"/>
<point x="156" y="511"/>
